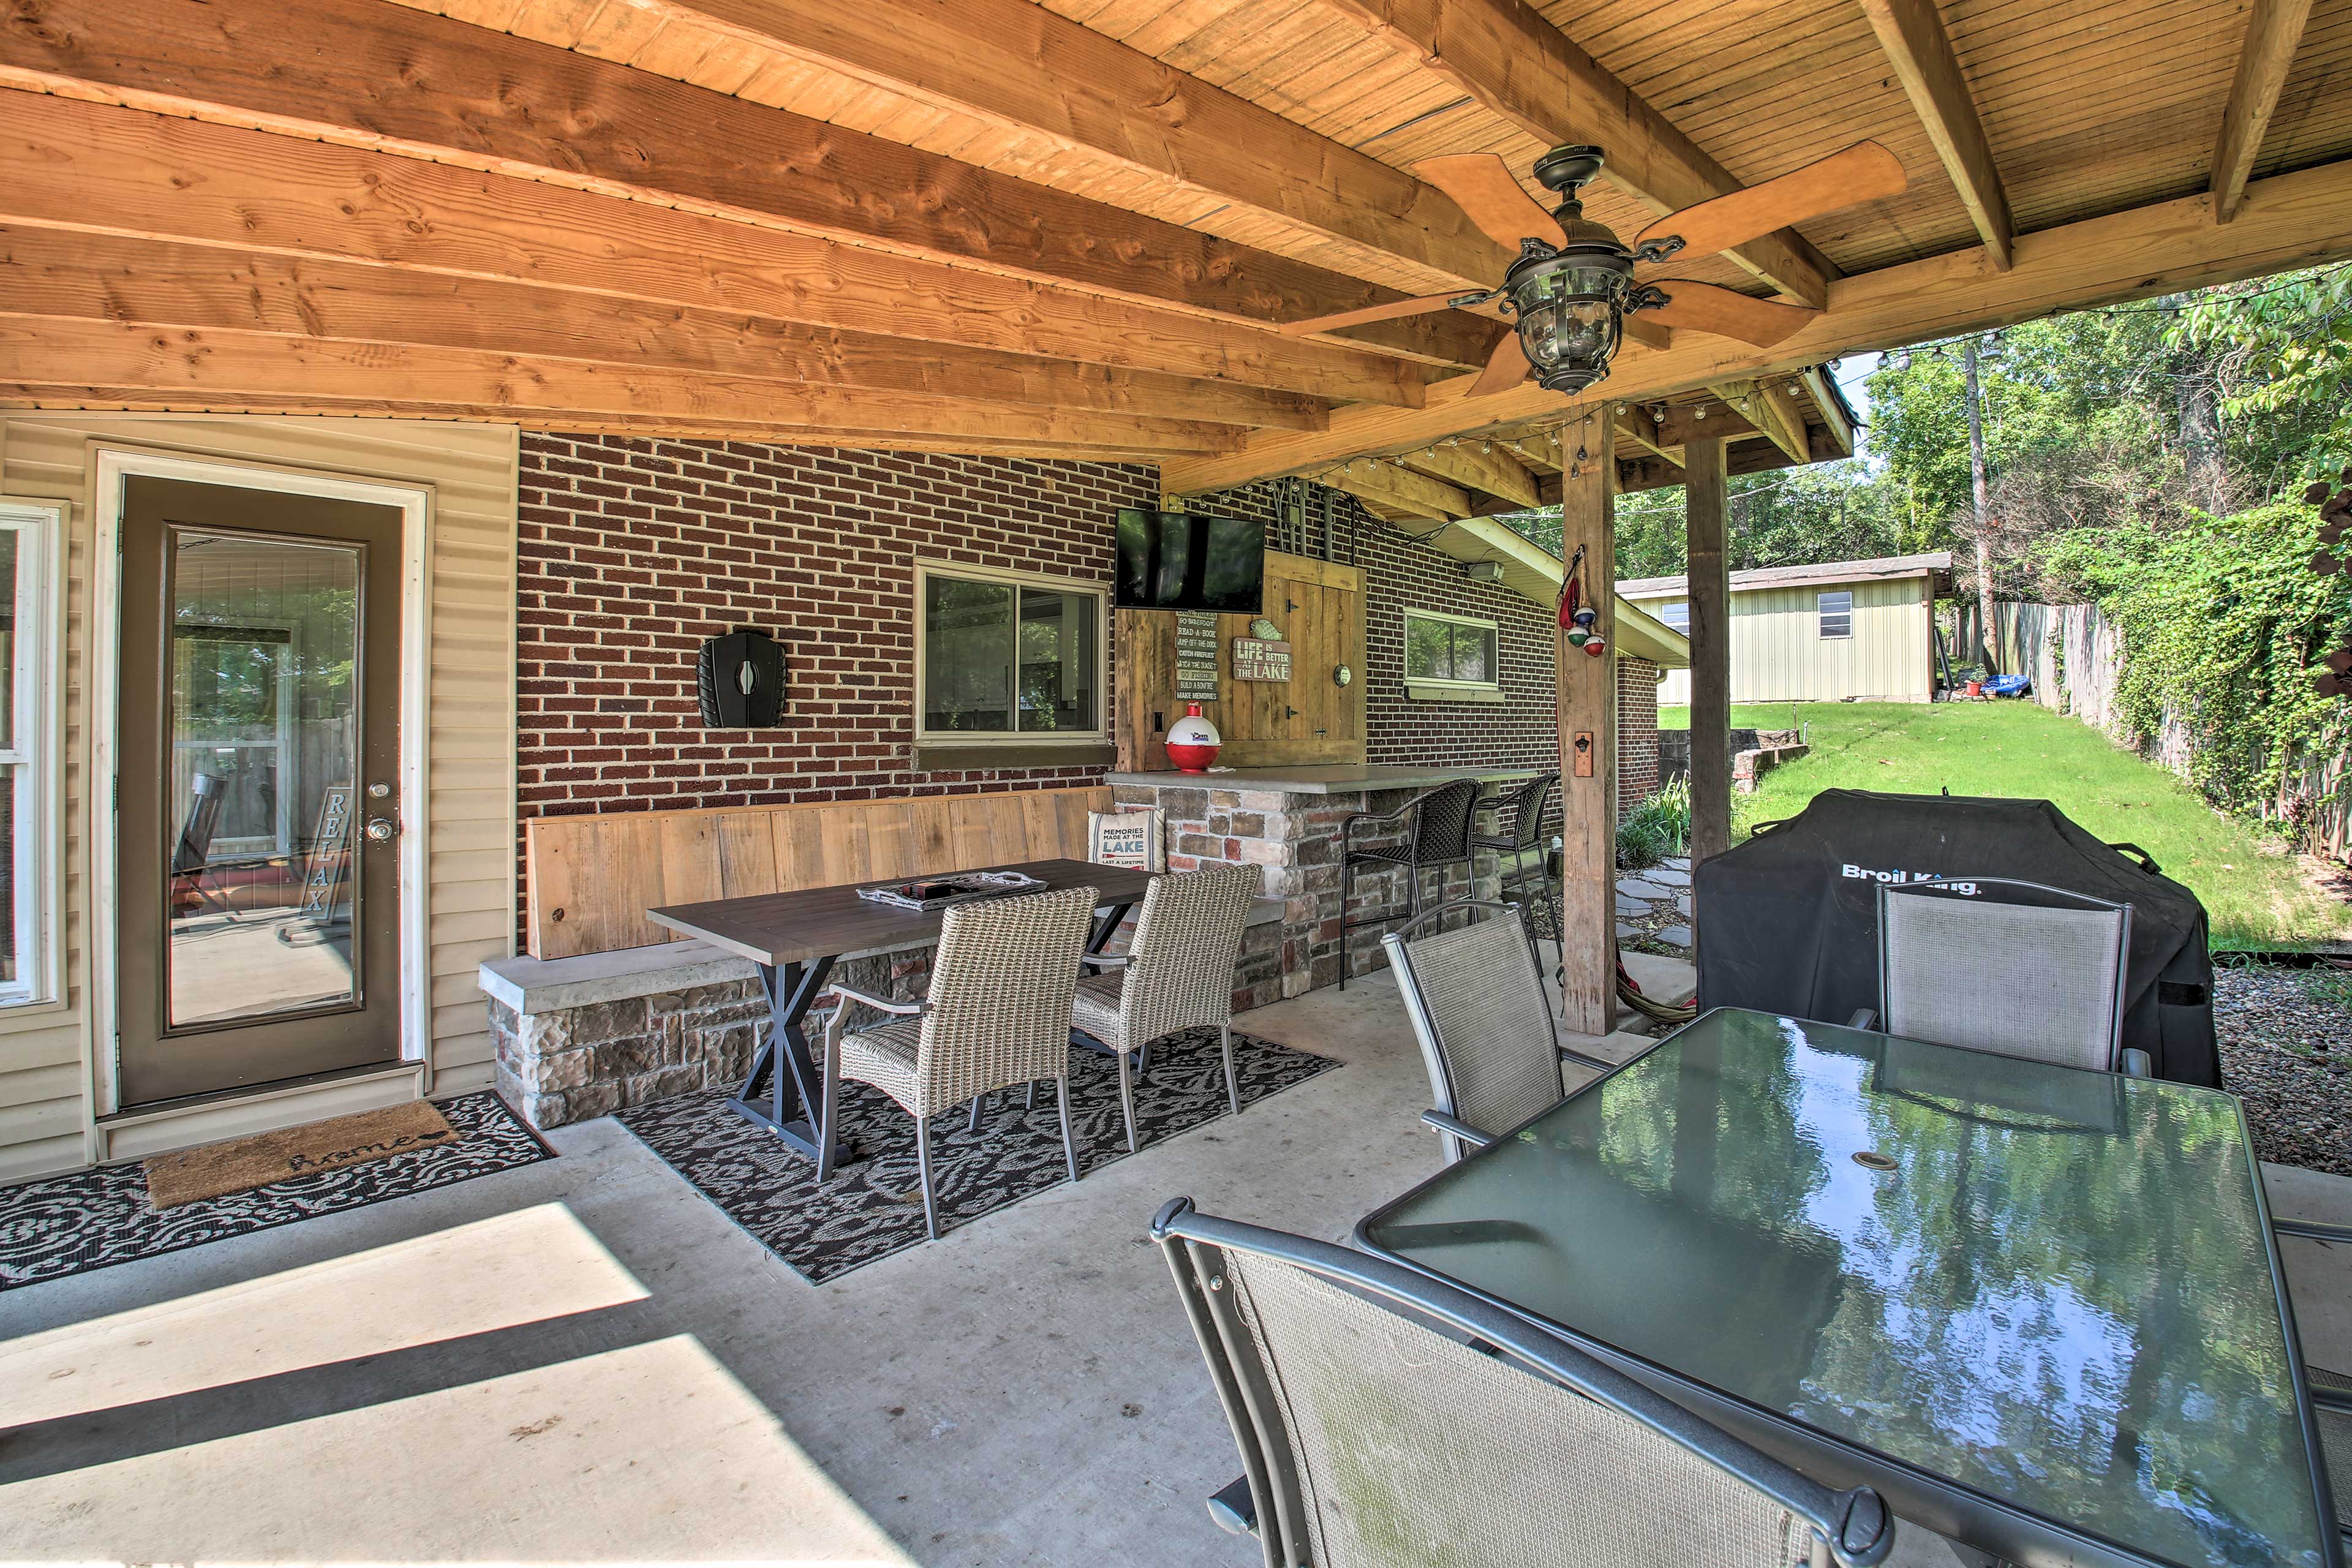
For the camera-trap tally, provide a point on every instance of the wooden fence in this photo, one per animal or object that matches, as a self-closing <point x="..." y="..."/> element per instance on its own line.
<point x="2077" y="659"/>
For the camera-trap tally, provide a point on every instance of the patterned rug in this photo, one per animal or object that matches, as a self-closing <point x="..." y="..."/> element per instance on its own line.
<point x="92" y="1219"/>
<point x="874" y="1207"/>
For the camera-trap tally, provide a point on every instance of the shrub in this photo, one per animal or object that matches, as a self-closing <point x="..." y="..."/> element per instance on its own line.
<point x="1656" y="828"/>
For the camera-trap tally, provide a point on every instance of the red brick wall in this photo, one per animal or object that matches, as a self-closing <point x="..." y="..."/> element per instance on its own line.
<point x="633" y="551"/>
<point x="1637" y="732"/>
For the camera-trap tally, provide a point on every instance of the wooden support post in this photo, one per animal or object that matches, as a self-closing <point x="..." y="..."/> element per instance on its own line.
<point x="1710" y="648"/>
<point x="1587" y="736"/>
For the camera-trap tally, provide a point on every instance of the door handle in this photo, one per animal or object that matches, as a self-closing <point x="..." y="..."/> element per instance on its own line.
<point x="381" y="829"/>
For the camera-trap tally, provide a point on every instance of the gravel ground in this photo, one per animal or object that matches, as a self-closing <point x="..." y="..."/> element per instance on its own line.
<point x="2286" y="1051"/>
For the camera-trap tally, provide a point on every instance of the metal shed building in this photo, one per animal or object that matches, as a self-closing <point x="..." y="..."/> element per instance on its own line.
<point x="1819" y="633"/>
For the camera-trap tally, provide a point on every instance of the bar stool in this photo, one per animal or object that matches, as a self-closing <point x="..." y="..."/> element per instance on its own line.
<point x="1512" y="851"/>
<point x="1436" y="835"/>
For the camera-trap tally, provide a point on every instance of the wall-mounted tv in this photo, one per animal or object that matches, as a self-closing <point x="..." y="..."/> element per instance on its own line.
<point x="1190" y="561"/>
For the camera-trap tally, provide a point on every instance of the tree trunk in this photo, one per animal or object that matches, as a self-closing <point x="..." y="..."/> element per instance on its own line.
<point x="1988" y="649"/>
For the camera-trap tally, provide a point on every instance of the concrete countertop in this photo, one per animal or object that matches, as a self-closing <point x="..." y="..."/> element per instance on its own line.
<point x="1340" y="779"/>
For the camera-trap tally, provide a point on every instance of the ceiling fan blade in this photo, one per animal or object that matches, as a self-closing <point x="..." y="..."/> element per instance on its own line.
<point x="1863" y="173"/>
<point x="1505" y="368"/>
<point x="1703" y="307"/>
<point x="1386" y="312"/>
<point x="1484" y="186"/>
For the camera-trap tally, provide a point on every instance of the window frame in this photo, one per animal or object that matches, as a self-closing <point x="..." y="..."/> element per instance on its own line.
<point x="1492" y="629"/>
<point x="36" y="754"/>
<point x="1666" y="616"/>
<point x="1822" y="614"/>
<point x="1098" y="589"/>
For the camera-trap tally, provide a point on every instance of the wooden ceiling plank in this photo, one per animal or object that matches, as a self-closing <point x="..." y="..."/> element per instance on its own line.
<point x="2274" y="31"/>
<point x="252" y="366"/>
<point x="363" y="73"/>
<point x="96" y="276"/>
<point x="2298" y="219"/>
<point x="1505" y="55"/>
<point x="90" y="166"/>
<point x="1018" y="65"/>
<point x="1471" y="467"/>
<point x="1912" y="34"/>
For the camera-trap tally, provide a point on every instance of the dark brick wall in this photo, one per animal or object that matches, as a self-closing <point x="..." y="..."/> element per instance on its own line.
<point x="1639" y="772"/>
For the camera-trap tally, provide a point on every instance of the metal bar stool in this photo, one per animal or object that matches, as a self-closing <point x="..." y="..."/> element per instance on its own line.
<point x="1436" y="835"/>
<point x="1513" y="850"/>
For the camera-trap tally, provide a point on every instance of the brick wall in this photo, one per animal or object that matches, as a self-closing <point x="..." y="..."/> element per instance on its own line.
<point x="1638" y="771"/>
<point x="633" y="551"/>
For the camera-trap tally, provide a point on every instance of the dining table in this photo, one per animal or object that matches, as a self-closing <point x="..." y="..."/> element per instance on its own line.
<point x="2039" y="1309"/>
<point x="794" y="939"/>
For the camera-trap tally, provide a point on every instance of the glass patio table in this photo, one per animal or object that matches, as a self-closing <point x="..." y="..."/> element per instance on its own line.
<point x="2040" y="1310"/>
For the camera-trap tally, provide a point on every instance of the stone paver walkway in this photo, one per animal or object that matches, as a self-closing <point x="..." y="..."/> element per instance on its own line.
<point x="1653" y="907"/>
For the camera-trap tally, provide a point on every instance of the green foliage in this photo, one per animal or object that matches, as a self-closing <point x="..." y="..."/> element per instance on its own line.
<point x="2223" y="623"/>
<point x="1656" y="828"/>
<point x="2283" y="348"/>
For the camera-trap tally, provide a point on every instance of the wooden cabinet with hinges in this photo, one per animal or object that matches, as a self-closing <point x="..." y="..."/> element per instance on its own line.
<point x="1318" y="608"/>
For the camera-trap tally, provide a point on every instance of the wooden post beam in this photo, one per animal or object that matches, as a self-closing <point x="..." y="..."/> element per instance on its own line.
<point x="2274" y="32"/>
<point x="1709" y="592"/>
<point x="1587" y="748"/>
<point x="367" y="74"/>
<point x="1506" y="56"/>
<point x="1911" y="32"/>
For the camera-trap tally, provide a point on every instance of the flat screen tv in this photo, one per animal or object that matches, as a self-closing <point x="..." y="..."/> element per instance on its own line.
<point x="1190" y="561"/>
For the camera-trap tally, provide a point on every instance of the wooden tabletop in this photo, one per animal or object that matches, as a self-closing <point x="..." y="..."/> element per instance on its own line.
<point x="808" y="924"/>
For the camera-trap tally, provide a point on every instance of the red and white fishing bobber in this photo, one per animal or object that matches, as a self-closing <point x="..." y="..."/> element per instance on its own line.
<point x="1193" y="742"/>
<point x="1582" y="634"/>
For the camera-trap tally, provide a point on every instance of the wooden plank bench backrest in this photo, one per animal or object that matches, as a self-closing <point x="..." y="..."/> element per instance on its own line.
<point x="588" y="881"/>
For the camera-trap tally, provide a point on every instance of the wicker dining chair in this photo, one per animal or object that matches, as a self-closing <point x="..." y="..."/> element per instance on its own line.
<point x="1991" y="964"/>
<point x="1371" y="1436"/>
<point x="1521" y="856"/>
<point x="1177" y="974"/>
<point x="1479" y="1004"/>
<point x="998" y="1014"/>
<point x="1436" y="836"/>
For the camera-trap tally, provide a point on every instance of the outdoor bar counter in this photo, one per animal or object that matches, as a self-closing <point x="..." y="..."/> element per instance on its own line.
<point x="1287" y="820"/>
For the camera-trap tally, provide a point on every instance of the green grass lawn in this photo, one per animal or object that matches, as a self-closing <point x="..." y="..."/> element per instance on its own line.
<point x="1744" y="716"/>
<point x="2253" y="890"/>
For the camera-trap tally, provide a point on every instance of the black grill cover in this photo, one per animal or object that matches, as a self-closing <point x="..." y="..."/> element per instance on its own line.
<point x="1788" y="923"/>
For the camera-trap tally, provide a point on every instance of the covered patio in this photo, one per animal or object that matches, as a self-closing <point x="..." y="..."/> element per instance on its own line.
<point x="554" y="540"/>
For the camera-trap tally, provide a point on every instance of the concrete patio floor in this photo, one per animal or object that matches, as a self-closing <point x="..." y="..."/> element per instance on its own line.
<point x="582" y="1360"/>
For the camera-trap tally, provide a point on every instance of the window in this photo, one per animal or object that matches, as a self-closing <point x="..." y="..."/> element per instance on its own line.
<point x="1837" y="612"/>
<point x="1675" y="612"/>
<point x="1449" y="650"/>
<point x="29" y="745"/>
<point x="1002" y="655"/>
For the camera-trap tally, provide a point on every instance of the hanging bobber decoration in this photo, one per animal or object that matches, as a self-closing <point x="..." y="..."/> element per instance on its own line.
<point x="1571" y="598"/>
<point x="2335" y="506"/>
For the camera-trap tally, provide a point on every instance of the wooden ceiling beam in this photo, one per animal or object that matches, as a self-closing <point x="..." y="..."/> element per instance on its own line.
<point x="96" y="276"/>
<point x="2299" y="220"/>
<point x="1506" y="56"/>
<point x="1497" y="473"/>
<point x="1911" y="33"/>
<point x="1026" y="69"/>
<point x="1402" y="490"/>
<point x="372" y="75"/>
<point x="97" y="167"/>
<point x="258" y="371"/>
<point x="1768" y="407"/>
<point x="1654" y="473"/>
<point x="2273" y="32"/>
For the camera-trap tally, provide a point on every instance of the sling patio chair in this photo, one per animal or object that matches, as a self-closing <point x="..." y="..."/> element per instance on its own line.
<point x="998" y="1014"/>
<point x="1991" y="964"/>
<point x="2331" y="1400"/>
<point x="1372" y="1437"/>
<point x="1476" y="997"/>
<point x="1176" y="974"/>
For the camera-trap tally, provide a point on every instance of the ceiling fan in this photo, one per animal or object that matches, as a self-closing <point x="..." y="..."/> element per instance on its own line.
<point x="1572" y="286"/>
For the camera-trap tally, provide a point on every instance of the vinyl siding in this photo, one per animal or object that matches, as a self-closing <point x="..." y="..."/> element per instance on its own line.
<point x="45" y="1057"/>
<point x="1779" y="656"/>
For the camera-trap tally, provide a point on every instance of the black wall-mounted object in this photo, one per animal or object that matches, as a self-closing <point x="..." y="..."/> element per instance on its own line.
<point x="739" y="679"/>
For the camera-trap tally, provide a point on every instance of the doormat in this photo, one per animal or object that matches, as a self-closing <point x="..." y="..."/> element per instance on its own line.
<point x="94" y="1219"/>
<point x="873" y="1206"/>
<point x="216" y="1170"/>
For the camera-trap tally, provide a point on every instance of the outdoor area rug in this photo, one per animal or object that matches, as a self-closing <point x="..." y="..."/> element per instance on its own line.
<point x="69" y="1225"/>
<point x="874" y="1207"/>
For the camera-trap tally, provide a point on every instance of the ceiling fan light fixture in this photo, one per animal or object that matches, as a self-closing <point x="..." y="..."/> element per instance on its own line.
<point x="1570" y="309"/>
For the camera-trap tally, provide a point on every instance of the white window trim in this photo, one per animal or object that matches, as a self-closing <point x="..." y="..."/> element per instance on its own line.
<point x="38" y="756"/>
<point x="1099" y="589"/>
<point x="1821" y="614"/>
<point x="1429" y="681"/>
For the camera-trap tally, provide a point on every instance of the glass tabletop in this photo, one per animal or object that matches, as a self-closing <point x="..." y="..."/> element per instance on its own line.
<point x="2055" y="1287"/>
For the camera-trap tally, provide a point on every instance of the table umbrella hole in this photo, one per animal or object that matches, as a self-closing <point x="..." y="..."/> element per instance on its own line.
<point x="1871" y="1160"/>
